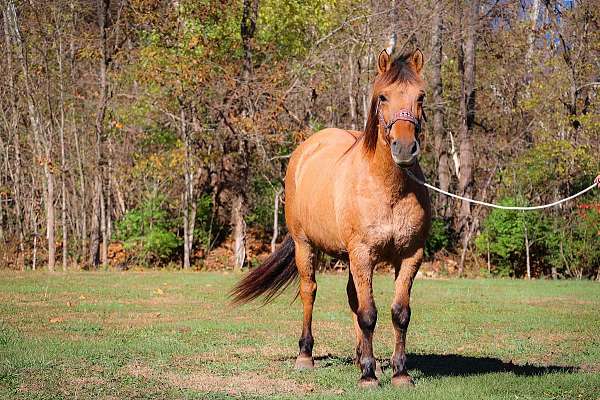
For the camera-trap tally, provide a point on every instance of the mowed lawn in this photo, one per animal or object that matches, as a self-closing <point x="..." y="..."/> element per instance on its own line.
<point x="173" y="335"/>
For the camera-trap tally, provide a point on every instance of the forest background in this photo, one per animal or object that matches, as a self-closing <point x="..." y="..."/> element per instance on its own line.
<point x="147" y="133"/>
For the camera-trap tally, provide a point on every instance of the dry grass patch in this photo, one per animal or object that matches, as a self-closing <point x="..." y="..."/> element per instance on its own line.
<point x="246" y="383"/>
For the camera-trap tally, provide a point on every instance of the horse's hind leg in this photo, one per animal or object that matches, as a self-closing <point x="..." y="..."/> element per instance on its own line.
<point x="405" y="274"/>
<point x="366" y="313"/>
<point x="305" y="262"/>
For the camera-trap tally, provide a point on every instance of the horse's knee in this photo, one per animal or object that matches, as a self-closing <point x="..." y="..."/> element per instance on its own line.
<point x="401" y="315"/>
<point x="308" y="288"/>
<point x="367" y="318"/>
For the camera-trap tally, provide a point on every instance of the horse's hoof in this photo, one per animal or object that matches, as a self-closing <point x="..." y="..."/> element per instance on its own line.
<point x="368" y="383"/>
<point x="303" y="362"/>
<point x="403" y="381"/>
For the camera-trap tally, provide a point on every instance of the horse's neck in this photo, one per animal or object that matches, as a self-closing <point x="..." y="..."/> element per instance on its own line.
<point x="391" y="177"/>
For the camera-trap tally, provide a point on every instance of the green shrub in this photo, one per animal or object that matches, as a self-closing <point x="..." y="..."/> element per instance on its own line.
<point x="503" y="235"/>
<point x="262" y="207"/>
<point x="147" y="232"/>
<point x="206" y="228"/>
<point x="573" y="245"/>
<point x="440" y="237"/>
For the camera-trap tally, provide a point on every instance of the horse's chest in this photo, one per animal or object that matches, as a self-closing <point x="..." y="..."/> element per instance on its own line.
<point x="398" y="229"/>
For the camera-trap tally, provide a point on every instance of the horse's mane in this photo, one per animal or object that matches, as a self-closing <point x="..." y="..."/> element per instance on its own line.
<point x="400" y="71"/>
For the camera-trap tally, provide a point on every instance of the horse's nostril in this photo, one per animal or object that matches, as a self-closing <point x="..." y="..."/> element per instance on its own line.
<point x="415" y="148"/>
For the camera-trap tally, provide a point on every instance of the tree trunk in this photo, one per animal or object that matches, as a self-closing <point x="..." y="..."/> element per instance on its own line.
<point x="275" y="220"/>
<point x="103" y="227"/>
<point x="534" y="12"/>
<point x="527" y="251"/>
<point x="467" y="110"/>
<point x="102" y="14"/>
<point x="63" y="168"/>
<point x="248" y="26"/>
<point x="82" y="192"/>
<point x="489" y="261"/>
<point x="17" y="175"/>
<point x="351" y="97"/>
<point x="95" y="231"/>
<point x="189" y="203"/>
<point x="239" y="233"/>
<point x="186" y="211"/>
<point x="35" y="240"/>
<point x="247" y="29"/>
<point x="439" y="134"/>
<point x="533" y="16"/>
<point x="50" y="217"/>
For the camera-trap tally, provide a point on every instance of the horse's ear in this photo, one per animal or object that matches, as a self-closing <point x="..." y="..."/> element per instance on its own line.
<point x="384" y="62"/>
<point x="416" y="59"/>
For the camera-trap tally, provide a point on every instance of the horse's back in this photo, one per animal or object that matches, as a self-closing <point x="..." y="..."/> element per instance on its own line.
<point x="323" y="149"/>
<point x="337" y="139"/>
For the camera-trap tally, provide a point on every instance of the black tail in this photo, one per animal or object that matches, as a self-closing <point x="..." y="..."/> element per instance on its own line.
<point x="271" y="278"/>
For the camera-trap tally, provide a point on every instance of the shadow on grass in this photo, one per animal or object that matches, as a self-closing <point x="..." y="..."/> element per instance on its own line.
<point x="438" y="365"/>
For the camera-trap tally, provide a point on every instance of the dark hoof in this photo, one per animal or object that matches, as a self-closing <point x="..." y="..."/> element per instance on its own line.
<point x="304" y="362"/>
<point x="368" y="383"/>
<point x="403" y="381"/>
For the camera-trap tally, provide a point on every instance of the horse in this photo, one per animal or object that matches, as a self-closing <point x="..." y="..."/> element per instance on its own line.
<point x="348" y="195"/>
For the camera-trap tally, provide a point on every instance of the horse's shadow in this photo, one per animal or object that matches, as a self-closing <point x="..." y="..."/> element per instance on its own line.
<point x="440" y="365"/>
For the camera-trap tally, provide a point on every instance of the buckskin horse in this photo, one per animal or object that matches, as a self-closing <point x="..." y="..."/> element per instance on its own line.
<point x="347" y="194"/>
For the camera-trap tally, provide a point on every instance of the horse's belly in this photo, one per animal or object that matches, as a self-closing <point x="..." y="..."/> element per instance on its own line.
<point x="310" y="206"/>
<point x="316" y="209"/>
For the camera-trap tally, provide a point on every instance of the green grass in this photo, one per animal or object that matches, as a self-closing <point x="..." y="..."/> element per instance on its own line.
<point x="173" y="335"/>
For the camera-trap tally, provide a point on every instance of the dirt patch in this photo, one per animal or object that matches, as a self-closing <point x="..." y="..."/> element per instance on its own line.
<point x="246" y="383"/>
<point x="87" y="381"/>
<point x="558" y="302"/>
<point x="31" y="387"/>
<point x="139" y="371"/>
<point x="595" y="368"/>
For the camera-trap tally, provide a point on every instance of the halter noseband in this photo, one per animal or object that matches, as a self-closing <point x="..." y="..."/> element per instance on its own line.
<point x="400" y="115"/>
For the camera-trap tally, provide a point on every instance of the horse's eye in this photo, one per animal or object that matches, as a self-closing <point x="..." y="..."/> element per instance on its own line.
<point x="421" y="99"/>
<point x="382" y="98"/>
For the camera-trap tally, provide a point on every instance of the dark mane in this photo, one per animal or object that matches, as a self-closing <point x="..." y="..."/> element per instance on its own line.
<point x="400" y="71"/>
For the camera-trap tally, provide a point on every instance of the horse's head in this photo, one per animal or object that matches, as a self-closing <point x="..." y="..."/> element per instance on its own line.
<point x="397" y="107"/>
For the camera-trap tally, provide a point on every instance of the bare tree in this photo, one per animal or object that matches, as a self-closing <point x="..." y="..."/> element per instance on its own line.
<point x="439" y="133"/>
<point x="467" y="112"/>
<point x="247" y="30"/>
<point x="42" y="138"/>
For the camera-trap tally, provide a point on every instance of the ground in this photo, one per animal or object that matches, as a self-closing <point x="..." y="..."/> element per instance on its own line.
<point x="123" y="335"/>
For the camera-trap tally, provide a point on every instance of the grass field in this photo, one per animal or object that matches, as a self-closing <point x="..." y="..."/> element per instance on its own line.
<point x="172" y="335"/>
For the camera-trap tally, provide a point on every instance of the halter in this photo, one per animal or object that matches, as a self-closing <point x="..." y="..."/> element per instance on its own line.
<point x="400" y="115"/>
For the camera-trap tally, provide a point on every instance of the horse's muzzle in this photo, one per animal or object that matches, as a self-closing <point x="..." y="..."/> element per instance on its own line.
<point x="403" y="155"/>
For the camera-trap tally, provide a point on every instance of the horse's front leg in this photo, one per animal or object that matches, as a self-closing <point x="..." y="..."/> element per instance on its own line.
<point x="305" y="262"/>
<point x="353" y="303"/>
<point x="405" y="274"/>
<point x="366" y="313"/>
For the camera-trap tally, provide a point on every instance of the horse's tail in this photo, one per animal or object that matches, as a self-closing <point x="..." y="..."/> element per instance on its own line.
<point x="270" y="278"/>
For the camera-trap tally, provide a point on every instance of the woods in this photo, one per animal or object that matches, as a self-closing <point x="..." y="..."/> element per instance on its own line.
<point x="157" y="133"/>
